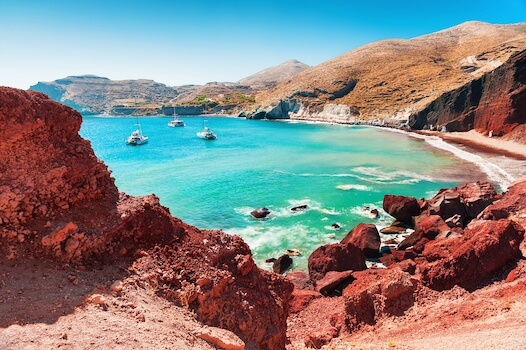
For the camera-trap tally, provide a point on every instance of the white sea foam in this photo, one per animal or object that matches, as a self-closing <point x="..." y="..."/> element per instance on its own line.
<point x="354" y="187"/>
<point x="376" y="175"/>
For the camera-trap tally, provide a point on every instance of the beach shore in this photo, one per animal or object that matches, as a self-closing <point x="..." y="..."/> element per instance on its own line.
<point x="476" y="140"/>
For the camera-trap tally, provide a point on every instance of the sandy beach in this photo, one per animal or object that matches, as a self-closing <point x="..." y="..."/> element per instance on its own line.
<point x="476" y="140"/>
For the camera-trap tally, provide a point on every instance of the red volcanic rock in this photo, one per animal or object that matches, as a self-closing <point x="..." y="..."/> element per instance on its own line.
<point x="300" y="298"/>
<point x="512" y="204"/>
<point x="377" y="292"/>
<point x="300" y="280"/>
<point x="426" y="226"/>
<point x="447" y="203"/>
<point x="484" y="248"/>
<point x="45" y="166"/>
<point x="335" y="257"/>
<point x="495" y="102"/>
<point x="334" y="282"/>
<point x="366" y="237"/>
<point x="502" y="106"/>
<point x="402" y="208"/>
<point x="476" y="196"/>
<point x="59" y="201"/>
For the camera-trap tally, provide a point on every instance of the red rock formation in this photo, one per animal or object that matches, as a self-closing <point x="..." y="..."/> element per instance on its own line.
<point x="57" y="200"/>
<point x="495" y="102"/>
<point x="335" y="257"/>
<point x="377" y="292"/>
<point x="402" y="208"/>
<point x="484" y="248"/>
<point x="366" y="237"/>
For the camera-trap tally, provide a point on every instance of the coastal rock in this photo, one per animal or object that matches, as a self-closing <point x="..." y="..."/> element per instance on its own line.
<point x="377" y="292"/>
<point x="484" y="248"/>
<point x="494" y="102"/>
<point x="335" y="257"/>
<point x="402" y="208"/>
<point x="282" y="264"/>
<point x="58" y="195"/>
<point x="366" y="237"/>
<point x="260" y="213"/>
<point x="334" y="282"/>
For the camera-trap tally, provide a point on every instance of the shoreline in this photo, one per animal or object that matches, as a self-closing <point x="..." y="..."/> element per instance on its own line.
<point x="477" y="141"/>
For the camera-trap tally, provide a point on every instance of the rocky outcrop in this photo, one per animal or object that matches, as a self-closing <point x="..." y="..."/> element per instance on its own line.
<point x="483" y="249"/>
<point x="366" y="237"/>
<point x="495" y="102"/>
<point x="335" y="257"/>
<point x="58" y="202"/>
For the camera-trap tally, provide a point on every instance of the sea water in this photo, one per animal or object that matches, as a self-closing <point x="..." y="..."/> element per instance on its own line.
<point x="339" y="172"/>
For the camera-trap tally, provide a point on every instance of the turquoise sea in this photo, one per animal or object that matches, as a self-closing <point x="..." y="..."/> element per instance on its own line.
<point x="340" y="172"/>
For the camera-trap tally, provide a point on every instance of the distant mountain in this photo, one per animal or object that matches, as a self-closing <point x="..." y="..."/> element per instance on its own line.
<point x="269" y="77"/>
<point x="99" y="95"/>
<point x="392" y="79"/>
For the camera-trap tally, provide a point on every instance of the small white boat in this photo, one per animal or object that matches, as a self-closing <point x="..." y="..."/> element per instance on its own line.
<point x="175" y="122"/>
<point x="207" y="134"/>
<point x="136" y="138"/>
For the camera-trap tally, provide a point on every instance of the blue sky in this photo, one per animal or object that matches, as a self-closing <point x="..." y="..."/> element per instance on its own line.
<point x="194" y="42"/>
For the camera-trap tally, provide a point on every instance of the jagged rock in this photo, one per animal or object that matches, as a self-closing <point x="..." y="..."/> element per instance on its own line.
<point x="282" y="264"/>
<point x="377" y="292"/>
<point x="484" y="248"/>
<point x="402" y="208"/>
<point x="366" y="237"/>
<point x="334" y="282"/>
<point x="335" y="257"/>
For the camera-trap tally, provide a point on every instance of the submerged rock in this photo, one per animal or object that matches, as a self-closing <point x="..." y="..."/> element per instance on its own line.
<point x="260" y="213"/>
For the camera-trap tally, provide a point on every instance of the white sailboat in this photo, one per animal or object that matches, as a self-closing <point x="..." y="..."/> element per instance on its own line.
<point x="175" y="122"/>
<point x="137" y="138"/>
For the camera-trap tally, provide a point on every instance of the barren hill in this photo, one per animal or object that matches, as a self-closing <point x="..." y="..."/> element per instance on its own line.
<point x="269" y="77"/>
<point x="395" y="78"/>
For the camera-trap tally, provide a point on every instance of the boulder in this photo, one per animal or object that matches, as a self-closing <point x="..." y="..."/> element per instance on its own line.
<point x="485" y="247"/>
<point x="260" y="213"/>
<point x="334" y="282"/>
<point x="335" y="257"/>
<point x="402" y="208"/>
<point x="366" y="237"/>
<point x="282" y="264"/>
<point x="377" y="292"/>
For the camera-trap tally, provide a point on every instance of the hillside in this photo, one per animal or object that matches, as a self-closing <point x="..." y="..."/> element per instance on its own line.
<point x="394" y="78"/>
<point x="270" y="77"/>
<point x="99" y="95"/>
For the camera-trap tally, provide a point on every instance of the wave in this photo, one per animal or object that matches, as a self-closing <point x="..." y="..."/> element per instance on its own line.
<point x="372" y="175"/>
<point x="354" y="187"/>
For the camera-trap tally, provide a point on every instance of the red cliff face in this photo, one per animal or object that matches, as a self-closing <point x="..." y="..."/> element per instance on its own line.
<point x="495" y="102"/>
<point x="58" y="201"/>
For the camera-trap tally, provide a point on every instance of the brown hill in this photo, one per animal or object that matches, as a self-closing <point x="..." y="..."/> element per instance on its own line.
<point x="269" y="77"/>
<point x="395" y="78"/>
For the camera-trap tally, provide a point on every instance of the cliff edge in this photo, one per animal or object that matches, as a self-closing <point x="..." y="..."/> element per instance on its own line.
<point x="60" y="208"/>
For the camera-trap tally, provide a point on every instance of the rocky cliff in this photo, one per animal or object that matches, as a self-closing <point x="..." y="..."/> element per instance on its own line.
<point x="495" y="102"/>
<point x="396" y="79"/>
<point x="58" y="202"/>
